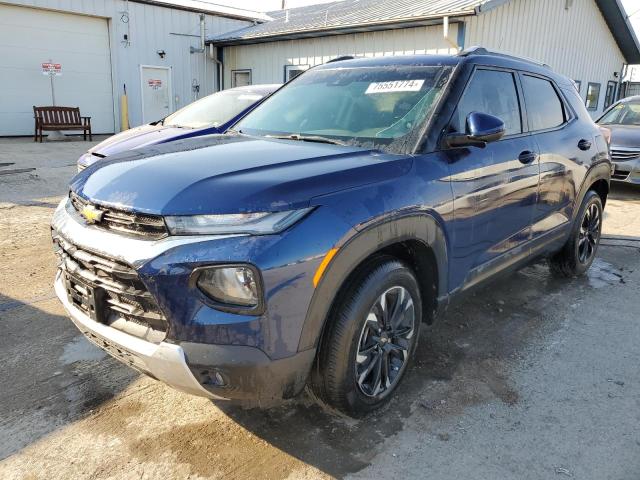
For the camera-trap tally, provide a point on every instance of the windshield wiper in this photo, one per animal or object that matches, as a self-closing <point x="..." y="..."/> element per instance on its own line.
<point x="308" y="138"/>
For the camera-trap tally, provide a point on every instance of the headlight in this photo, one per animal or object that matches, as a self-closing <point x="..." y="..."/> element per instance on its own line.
<point x="251" y="223"/>
<point x="233" y="287"/>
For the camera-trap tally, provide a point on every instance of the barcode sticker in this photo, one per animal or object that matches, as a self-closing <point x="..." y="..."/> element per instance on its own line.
<point x="395" y="86"/>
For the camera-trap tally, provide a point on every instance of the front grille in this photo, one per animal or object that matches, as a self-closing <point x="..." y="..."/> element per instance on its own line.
<point x="623" y="154"/>
<point x="137" y="224"/>
<point x="109" y="292"/>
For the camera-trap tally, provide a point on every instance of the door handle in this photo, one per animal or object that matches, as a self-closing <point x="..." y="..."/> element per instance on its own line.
<point x="584" y="144"/>
<point x="527" y="157"/>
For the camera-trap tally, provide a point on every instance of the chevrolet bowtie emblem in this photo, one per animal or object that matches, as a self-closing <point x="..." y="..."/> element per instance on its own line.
<point x="91" y="213"/>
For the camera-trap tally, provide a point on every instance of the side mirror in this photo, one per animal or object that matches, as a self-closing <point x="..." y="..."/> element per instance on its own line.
<point x="481" y="129"/>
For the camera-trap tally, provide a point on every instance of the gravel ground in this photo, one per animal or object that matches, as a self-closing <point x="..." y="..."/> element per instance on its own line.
<point x="532" y="377"/>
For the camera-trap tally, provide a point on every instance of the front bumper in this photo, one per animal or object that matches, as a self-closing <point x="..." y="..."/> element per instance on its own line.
<point x="224" y="362"/>
<point x="164" y="361"/>
<point x="626" y="171"/>
<point x="247" y="374"/>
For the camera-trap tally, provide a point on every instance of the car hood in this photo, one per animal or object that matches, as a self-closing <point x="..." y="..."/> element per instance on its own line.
<point x="231" y="174"/>
<point x="139" y="137"/>
<point x="624" y="135"/>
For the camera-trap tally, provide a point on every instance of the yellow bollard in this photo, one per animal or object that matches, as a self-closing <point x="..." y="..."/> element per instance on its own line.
<point x="124" y="111"/>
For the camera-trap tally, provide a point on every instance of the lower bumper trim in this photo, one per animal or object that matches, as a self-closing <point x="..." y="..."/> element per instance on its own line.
<point x="164" y="361"/>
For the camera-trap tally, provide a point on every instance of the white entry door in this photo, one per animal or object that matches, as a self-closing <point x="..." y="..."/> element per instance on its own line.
<point x="156" y="93"/>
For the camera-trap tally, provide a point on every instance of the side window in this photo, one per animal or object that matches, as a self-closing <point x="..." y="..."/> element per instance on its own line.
<point x="544" y="107"/>
<point x="493" y="92"/>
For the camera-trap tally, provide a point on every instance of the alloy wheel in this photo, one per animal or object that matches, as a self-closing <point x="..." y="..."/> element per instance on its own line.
<point x="385" y="342"/>
<point x="589" y="233"/>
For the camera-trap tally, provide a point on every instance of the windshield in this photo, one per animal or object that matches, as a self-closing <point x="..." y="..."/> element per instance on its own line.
<point x="375" y="107"/>
<point x="627" y="113"/>
<point x="214" y="110"/>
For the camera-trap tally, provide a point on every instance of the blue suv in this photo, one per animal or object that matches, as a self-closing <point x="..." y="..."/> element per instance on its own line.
<point x="309" y="244"/>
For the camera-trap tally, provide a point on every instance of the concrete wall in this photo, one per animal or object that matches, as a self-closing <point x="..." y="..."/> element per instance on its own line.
<point x="150" y="28"/>
<point x="267" y="60"/>
<point x="575" y="41"/>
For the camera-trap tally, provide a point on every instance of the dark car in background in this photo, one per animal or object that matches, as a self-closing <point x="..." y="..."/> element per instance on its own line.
<point x="309" y="244"/>
<point x="622" y="120"/>
<point x="209" y="115"/>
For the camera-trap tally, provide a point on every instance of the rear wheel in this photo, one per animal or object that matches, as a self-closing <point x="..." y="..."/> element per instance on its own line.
<point x="370" y="339"/>
<point x="578" y="253"/>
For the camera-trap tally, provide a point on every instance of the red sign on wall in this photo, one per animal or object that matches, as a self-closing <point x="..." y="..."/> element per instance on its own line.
<point x="155" y="84"/>
<point x="52" y="69"/>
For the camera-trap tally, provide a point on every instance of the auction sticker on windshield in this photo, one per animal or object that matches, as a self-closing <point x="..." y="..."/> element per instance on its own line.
<point x="395" y="86"/>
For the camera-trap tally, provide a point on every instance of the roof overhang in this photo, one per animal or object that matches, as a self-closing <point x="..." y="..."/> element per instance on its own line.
<point x="209" y="9"/>
<point x="617" y="20"/>
<point x="612" y="11"/>
<point x="343" y="30"/>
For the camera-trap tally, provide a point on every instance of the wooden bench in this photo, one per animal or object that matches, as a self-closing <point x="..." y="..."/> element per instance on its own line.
<point x="60" y="118"/>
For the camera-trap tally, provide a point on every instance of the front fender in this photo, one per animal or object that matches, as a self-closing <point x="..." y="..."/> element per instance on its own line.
<point x="359" y="244"/>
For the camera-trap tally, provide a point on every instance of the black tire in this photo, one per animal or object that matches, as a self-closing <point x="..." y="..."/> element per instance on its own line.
<point x="351" y="331"/>
<point x="578" y="253"/>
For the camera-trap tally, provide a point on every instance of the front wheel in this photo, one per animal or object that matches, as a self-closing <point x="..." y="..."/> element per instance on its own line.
<point x="370" y="338"/>
<point x="578" y="253"/>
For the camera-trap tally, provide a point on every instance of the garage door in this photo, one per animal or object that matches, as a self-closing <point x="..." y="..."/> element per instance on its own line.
<point x="30" y="37"/>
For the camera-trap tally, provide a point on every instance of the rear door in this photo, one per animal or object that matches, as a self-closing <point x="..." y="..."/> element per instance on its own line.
<point x="565" y="152"/>
<point x="495" y="188"/>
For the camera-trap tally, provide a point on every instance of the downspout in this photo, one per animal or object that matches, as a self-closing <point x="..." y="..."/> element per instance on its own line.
<point x="623" y="73"/>
<point x="204" y="51"/>
<point x="447" y="38"/>
<point x="214" y="55"/>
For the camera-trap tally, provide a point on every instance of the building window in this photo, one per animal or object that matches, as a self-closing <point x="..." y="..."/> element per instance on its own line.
<point x="240" y="78"/>
<point x="578" y="85"/>
<point x="292" y="71"/>
<point x="610" y="96"/>
<point x="593" y="96"/>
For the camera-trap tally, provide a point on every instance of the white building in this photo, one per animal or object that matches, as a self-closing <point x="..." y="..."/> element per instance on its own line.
<point x="587" y="40"/>
<point x="152" y="46"/>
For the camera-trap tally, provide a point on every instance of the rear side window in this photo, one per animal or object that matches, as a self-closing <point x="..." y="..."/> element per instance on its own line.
<point x="493" y="92"/>
<point x="544" y="107"/>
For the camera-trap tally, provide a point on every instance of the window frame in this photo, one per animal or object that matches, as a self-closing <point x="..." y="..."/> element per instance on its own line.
<point x="241" y="70"/>
<point x="611" y="100"/>
<point x="519" y="94"/>
<point x="289" y="67"/>
<point x="569" y="114"/>
<point x="586" y="99"/>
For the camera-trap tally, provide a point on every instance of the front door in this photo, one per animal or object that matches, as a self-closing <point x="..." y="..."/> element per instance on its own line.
<point x="156" y="93"/>
<point x="494" y="188"/>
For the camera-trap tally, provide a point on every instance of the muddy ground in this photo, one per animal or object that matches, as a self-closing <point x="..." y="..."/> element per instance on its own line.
<point x="532" y="377"/>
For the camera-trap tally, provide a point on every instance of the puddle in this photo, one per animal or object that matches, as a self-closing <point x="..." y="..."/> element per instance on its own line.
<point x="603" y="274"/>
<point x="81" y="350"/>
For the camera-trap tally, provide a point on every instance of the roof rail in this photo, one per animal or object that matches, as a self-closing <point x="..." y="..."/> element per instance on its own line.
<point x="339" y="59"/>
<point x="476" y="50"/>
